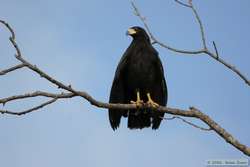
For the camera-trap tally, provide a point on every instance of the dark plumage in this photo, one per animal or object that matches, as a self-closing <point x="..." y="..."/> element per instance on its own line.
<point x="139" y="72"/>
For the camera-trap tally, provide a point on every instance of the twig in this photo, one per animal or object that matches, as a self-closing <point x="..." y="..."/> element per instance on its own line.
<point x="183" y="4"/>
<point x="200" y="25"/>
<point x="204" y="50"/>
<point x="36" y="94"/>
<point x="13" y="36"/>
<point x="3" y="72"/>
<point x="154" y="40"/>
<point x="188" y="122"/>
<point x="192" y="112"/>
<point x="29" y="110"/>
<point x="216" y="51"/>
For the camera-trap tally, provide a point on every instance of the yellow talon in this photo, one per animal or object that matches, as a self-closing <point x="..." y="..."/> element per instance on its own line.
<point x="138" y="101"/>
<point x="151" y="102"/>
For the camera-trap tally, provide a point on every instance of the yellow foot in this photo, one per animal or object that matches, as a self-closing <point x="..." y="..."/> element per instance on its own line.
<point x="138" y="102"/>
<point x="151" y="102"/>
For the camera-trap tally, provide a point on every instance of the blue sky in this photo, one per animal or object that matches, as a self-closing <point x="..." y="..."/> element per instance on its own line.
<point x="81" y="42"/>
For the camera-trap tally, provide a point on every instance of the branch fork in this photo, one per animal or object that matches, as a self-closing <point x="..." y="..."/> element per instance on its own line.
<point x="203" y="50"/>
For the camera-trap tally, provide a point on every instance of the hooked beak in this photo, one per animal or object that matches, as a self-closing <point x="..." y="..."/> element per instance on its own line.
<point x="131" y="31"/>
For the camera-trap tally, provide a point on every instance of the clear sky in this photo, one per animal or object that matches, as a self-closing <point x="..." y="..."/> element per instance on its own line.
<point x="80" y="43"/>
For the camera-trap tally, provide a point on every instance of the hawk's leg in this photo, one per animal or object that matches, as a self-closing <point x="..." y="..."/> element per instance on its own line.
<point x="138" y="101"/>
<point x="151" y="102"/>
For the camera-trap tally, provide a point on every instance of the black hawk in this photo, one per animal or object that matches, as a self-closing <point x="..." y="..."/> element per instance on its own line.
<point x="139" y="78"/>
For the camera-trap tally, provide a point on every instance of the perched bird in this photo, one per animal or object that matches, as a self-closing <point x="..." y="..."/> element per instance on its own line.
<point x="139" y="78"/>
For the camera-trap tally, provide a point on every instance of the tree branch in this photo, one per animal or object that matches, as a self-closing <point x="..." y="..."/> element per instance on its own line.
<point x="216" y="51"/>
<point x="192" y="112"/>
<point x="204" y="49"/>
<point x="188" y="122"/>
<point x="3" y="72"/>
<point x="36" y="94"/>
<point x="183" y="4"/>
<point x="29" y="110"/>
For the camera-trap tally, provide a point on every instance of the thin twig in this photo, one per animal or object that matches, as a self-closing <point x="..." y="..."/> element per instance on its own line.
<point x="3" y="72"/>
<point x="36" y="94"/>
<point x="183" y="4"/>
<point x="229" y="66"/>
<point x="29" y="110"/>
<point x="188" y="122"/>
<point x="200" y="25"/>
<point x="13" y="36"/>
<point x="216" y="51"/>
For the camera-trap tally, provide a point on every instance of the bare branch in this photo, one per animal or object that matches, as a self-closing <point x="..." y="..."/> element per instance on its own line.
<point x="36" y="94"/>
<point x="9" y="28"/>
<point x="29" y="110"/>
<point x="189" y="123"/>
<point x="216" y="51"/>
<point x="154" y="40"/>
<point x="229" y="66"/>
<point x="3" y="72"/>
<point x="192" y="112"/>
<point x="183" y="4"/>
<point x="200" y="24"/>
<point x="204" y="50"/>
